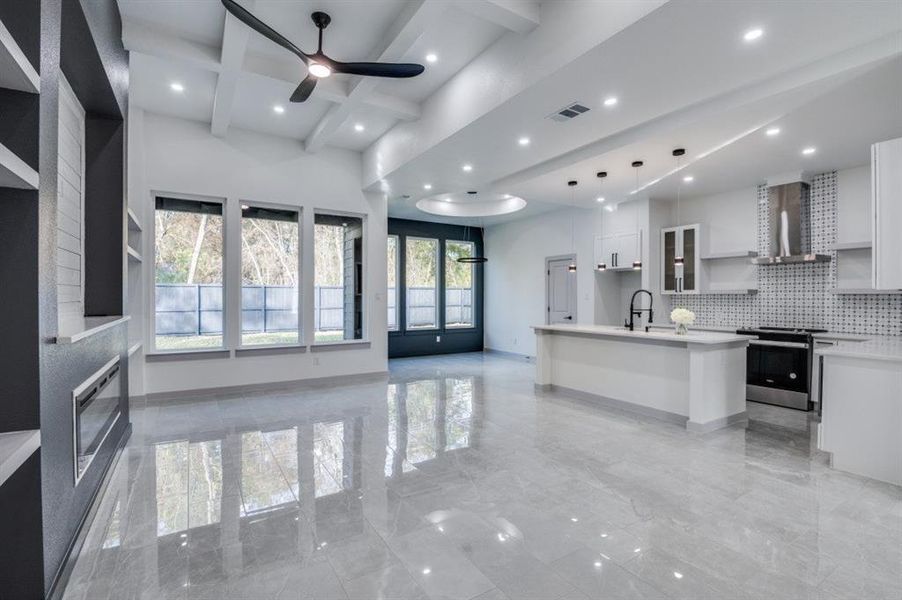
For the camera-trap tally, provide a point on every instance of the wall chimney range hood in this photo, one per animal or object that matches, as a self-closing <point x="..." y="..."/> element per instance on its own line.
<point x="789" y="230"/>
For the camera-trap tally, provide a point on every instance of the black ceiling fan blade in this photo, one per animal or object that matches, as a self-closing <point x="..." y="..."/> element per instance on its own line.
<point x="304" y="90"/>
<point x="376" y="69"/>
<point x="243" y="15"/>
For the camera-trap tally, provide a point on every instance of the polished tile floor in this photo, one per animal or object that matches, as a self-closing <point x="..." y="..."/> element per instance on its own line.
<point x="455" y="479"/>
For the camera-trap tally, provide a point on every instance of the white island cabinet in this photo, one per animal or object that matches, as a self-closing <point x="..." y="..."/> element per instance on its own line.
<point x="696" y="379"/>
<point x="861" y="420"/>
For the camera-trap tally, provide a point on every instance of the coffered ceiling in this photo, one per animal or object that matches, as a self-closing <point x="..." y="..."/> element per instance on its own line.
<point x="682" y="73"/>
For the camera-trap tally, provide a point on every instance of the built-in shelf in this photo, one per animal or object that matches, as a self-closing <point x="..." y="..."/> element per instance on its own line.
<point x="78" y="329"/>
<point x="133" y="255"/>
<point x="14" y="172"/>
<point x="16" y="72"/>
<point x="863" y="291"/>
<point x="134" y="348"/>
<point x="133" y="223"/>
<point x="15" y="448"/>
<point x="724" y="255"/>
<point x="852" y="246"/>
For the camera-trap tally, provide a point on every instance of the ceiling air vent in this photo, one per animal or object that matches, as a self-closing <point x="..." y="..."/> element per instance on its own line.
<point x="574" y="109"/>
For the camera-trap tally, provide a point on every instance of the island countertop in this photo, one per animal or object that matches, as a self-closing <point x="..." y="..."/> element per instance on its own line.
<point x="640" y="335"/>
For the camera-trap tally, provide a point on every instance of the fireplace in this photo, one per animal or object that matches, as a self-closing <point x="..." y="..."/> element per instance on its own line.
<point x="95" y="409"/>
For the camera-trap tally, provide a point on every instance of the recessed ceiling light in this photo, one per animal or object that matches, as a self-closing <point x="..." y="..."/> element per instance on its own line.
<point x="753" y="34"/>
<point x="688" y="178"/>
<point x="467" y="168"/>
<point x="809" y="150"/>
<point x="177" y="87"/>
<point x="427" y="186"/>
<point x="611" y="101"/>
<point x="427" y="571"/>
<point x="278" y="109"/>
<point x="523" y="141"/>
<point x="359" y="127"/>
<point x="609" y="208"/>
<point x="431" y="57"/>
<point x="773" y="131"/>
<point x="600" y="199"/>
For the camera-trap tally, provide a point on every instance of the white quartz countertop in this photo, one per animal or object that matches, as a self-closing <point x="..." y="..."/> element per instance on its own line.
<point x="15" y="448"/>
<point x="693" y="337"/>
<point x="888" y="348"/>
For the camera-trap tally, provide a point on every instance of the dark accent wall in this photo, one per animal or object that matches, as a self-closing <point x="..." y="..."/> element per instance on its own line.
<point x="420" y="343"/>
<point x="22" y="569"/>
<point x="104" y="182"/>
<point x="81" y="38"/>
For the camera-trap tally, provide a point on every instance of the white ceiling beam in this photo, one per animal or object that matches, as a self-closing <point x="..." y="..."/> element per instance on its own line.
<point x="234" y="45"/>
<point x="521" y="16"/>
<point x="405" y="31"/>
<point x="138" y="36"/>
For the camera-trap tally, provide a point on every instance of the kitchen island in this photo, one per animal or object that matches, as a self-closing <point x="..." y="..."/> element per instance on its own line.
<point x="697" y="379"/>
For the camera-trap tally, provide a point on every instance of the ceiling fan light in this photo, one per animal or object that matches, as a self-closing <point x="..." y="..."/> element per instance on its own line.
<point x="319" y="70"/>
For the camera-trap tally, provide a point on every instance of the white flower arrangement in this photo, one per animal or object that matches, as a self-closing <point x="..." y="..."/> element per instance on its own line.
<point x="682" y="316"/>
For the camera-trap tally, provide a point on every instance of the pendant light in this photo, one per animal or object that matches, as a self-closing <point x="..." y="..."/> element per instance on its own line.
<point x="602" y="266"/>
<point x="637" y="264"/>
<point x="678" y="153"/>
<point x="572" y="266"/>
<point x="472" y="260"/>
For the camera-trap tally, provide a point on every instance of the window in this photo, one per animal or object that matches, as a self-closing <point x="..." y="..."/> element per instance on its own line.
<point x="458" y="284"/>
<point x="188" y="274"/>
<point x="269" y="276"/>
<point x="338" y="278"/>
<point x="392" y="294"/>
<point x="421" y="279"/>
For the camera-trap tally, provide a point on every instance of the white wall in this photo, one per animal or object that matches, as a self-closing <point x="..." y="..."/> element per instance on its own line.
<point x="731" y="219"/>
<point x="515" y="274"/>
<point x="182" y="157"/>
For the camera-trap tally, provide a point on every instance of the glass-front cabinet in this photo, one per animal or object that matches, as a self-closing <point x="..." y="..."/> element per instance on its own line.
<point x="681" y="261"/>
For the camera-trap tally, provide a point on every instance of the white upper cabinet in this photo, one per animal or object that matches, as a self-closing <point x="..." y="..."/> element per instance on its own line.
<point x="684" y="241"/>
<point x="853" y="207"/>
<point x="886" y="202"/>
<point x="621" y="241"/>
<point x="618" y="251"/>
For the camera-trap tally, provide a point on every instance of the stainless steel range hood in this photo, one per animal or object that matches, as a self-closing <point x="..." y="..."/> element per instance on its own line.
<point x="789" y="230"/>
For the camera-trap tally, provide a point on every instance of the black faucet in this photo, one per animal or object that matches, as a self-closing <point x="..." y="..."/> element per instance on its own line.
<point x="638" y="311"/>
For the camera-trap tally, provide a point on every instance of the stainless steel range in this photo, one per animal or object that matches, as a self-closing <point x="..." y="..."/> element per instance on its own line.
<point x="778" y="366"/>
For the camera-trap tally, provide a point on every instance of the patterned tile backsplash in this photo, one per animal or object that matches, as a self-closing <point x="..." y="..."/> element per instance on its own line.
<point x="799" y="295"/>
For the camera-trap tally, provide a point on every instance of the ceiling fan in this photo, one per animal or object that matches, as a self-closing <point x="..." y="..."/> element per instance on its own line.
<point x="318" y="64"/>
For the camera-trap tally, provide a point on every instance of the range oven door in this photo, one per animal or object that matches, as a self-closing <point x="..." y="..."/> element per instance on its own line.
<point x="778" y="373"/>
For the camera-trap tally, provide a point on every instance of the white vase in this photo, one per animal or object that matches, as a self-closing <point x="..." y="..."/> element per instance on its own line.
<point x="682" y="329"/>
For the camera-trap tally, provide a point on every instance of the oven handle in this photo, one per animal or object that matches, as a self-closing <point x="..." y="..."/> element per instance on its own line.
<point x="779" y="344"/>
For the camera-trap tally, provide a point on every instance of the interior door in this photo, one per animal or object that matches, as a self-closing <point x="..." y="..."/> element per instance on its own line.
<point x="561" y="290"/>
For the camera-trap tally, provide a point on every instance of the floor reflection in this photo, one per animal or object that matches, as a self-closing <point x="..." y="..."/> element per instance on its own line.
<point x="456" y="479"/>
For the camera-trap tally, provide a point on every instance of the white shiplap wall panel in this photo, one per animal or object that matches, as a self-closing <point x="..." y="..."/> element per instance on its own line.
<point x="70" y="206"/>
